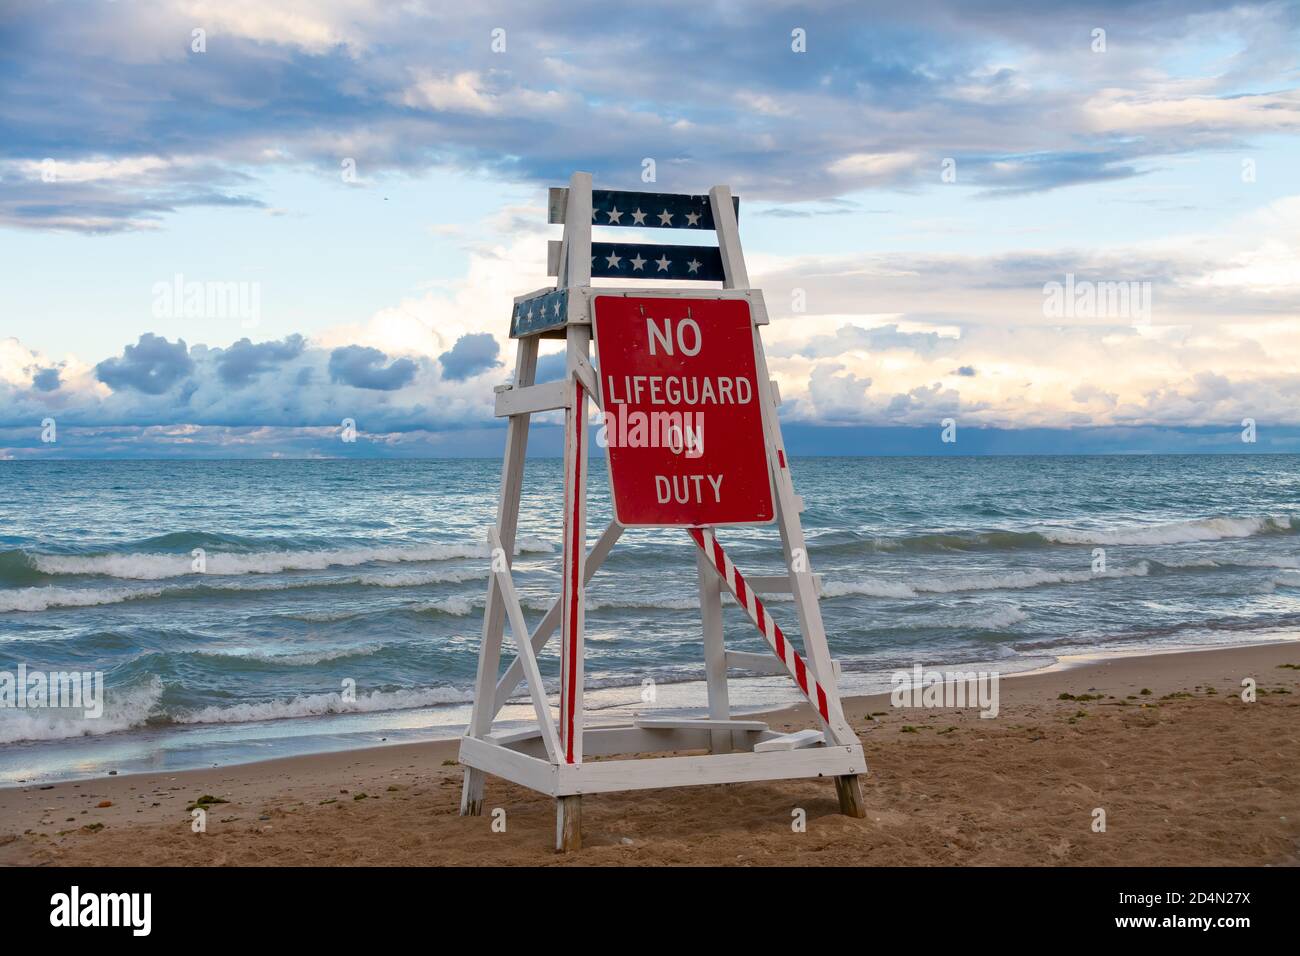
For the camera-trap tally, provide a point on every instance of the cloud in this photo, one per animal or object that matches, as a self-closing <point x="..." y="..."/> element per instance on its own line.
<point x="152" y="365"/>
<point x="99" y="194"/>
<point x="1218" y="345"/>
<point x="243" y="361"/>
<point x="363" y="367"/>
<point x="872" y="168"/>
<point x="551" y="367"/>
<point x="46" y="380"/>
<point x="470" y="355"/>
<point x="1011" y="90"/>
<point x="850" y="337"/>
<point x="882" y="344"/>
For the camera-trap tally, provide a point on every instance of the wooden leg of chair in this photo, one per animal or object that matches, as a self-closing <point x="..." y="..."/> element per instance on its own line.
<point x="849" y="789"/>
<point x="568" y="823"/>
<point x="471" y="793"/>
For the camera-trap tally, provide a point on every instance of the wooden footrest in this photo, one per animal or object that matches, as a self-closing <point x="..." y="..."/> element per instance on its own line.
<point x="794" y="741"/>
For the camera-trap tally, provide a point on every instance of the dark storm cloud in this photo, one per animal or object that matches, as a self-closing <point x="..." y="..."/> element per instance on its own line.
<point x="470" y="355"/>
<point x="46" y="380"/>
<point x="152" y="365"/>
<point x="289" y="383"/>
<point x="244" y="361"/>
<point x="363" y="367"/>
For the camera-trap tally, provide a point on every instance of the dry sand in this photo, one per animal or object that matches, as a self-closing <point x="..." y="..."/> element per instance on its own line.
<point x="1196" y="778"/>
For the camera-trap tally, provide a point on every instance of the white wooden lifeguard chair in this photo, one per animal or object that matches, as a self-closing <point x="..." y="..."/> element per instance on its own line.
<point x="553" y="756"/>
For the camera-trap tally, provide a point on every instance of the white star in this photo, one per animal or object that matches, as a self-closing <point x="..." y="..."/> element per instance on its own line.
<point x="613" y="259"/>
<point x="593" y="214"/>
<point x="664" y="262"/>
<point x="665" y="218"/>
<point x="614" y="215"/>
<point x="555" y="309"/>
<point x="638" y="262"/>
<point x="692" y="218"/>
<point x="638" y="218"/>
<point x="693" y="265"/>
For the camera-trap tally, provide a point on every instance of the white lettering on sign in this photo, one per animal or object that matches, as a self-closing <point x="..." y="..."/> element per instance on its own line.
<point x="678" y="390"/>
<point x="687" y="489"/>
<point x="666" y="365"/>
<point x="664" y="336"/>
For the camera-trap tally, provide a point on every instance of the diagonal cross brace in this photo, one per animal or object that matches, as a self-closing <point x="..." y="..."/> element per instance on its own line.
<point x="826" y="704"/>
<point x="515" y="672"/>
<point x="524" y="648"/>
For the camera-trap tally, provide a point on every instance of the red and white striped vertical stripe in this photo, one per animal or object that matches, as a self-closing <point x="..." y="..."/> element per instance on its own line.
<point x="575" y="555"/>
<point x="770" y="630"/>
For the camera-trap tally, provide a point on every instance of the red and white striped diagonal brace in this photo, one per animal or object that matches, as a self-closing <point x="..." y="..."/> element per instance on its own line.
<point x="771" y="631"/>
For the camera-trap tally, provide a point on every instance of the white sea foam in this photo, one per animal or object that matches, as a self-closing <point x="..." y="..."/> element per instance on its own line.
<point x="323" y="617"/>
<point x="415" y="579"/>
<point x="42" y="599"/>
<point x="1014" y="580"/>
<point x="54" y="596"/>
<point x="382" y="579"/>
<point x="129" y="708"/>
<point x="869" y="587"/>
<point x="456" y="606"/>
<point x="312" y="705"/>
<point x="1178" y="532"/>
<point x="999" y="617"/>
<point x="124" y="709"/>
<point x="299" y="657"/>
<point x="153" y="567"/>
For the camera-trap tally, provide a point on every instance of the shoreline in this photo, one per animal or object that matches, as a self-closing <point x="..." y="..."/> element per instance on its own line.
<point x="1211" y="778"/>
<point x="519" y="713"/>
<point x="362" y="740"/>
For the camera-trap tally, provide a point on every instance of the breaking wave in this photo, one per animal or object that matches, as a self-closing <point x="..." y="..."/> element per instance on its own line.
<point x="1032" y="578"/>
<point x="152" y="566"/>
<point x="1178" y="532"/>
<point x="124" y="709"/>
<point x="42" y="599"/>
<point x="313" y="705"/>
<point x="131" y="708"/>
<point x="54" y="596"/>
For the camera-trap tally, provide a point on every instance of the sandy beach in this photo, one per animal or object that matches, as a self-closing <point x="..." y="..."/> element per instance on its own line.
<point x="1185" y="770"/>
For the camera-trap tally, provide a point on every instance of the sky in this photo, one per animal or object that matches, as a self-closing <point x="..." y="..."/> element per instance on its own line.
<point x="1068" y="228"/>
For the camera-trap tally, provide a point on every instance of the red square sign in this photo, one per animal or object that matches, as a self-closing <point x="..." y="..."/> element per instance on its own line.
<point x="683" y="419"/>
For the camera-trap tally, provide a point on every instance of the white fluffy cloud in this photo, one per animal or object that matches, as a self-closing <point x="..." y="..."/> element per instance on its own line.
<point x="968" y="335"/>
<point x="1222" y="343"/>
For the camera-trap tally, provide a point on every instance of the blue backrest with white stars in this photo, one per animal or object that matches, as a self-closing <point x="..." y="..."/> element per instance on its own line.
<point x="616" y="207"/>
<point x="631" y="260"/>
